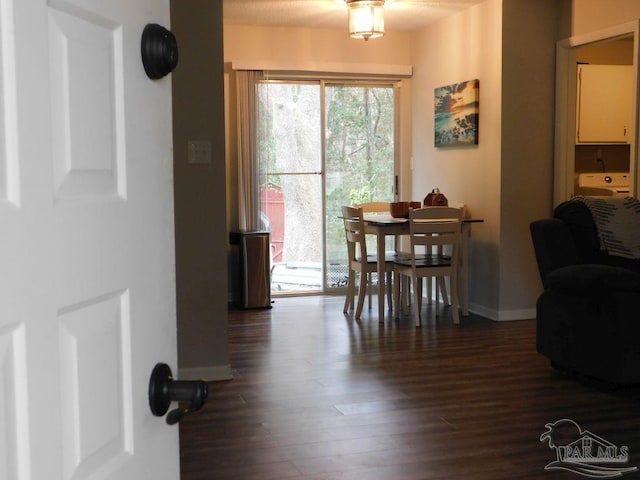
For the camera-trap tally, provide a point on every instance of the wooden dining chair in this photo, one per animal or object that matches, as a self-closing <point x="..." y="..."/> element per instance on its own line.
<point x="432" y="231"/>
<point x="360" y="262"/>
<point x="377" y="208"/>
<point x="439" y="284"/>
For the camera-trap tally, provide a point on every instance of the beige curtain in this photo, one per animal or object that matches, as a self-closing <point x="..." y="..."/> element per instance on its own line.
<point x="248" y="155"/>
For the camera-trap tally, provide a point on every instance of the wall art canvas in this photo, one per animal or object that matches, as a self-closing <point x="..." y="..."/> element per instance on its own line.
<point x="456" y="114"/>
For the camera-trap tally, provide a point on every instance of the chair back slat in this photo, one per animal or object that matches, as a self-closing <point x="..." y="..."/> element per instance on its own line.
<point x="433" y="231"/>
<point x="354" y="232"/>
<point x="378" y="208"/>
<point x="435" y="227"/>
<point x="430" y="213"/>
<point x="374" y="207"/>
<point x="428" y="240"/>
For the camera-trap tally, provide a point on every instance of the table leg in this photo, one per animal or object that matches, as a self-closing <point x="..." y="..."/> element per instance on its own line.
<point x="381" y="274"/>
<point x="464" y="270"/>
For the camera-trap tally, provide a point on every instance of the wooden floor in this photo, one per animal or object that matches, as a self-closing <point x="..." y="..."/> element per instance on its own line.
<point x="319" y="395"/>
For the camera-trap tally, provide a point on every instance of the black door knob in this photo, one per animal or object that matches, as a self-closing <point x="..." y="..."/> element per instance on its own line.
<point x="159" y="50"/>
<point x="163" y="390"/>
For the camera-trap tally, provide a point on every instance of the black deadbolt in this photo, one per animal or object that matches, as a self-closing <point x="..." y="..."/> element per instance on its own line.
<point x="159" y="51"/>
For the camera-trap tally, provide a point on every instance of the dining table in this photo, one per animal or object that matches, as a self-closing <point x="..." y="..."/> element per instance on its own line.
<point x="382" y="225"/>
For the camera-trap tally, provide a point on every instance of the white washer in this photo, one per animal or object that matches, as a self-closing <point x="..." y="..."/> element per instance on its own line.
<point x="610" y="184"/>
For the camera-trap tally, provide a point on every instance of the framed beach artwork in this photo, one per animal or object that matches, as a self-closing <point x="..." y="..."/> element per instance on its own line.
<point x="456" y="114"/>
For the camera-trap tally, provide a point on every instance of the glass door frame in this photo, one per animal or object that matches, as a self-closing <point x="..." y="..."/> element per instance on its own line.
<point x="323" y="83"/>
<point x="395" y="84"/>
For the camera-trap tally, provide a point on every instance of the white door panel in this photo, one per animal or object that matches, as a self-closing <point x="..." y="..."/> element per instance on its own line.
<point x="87" y="110"/>
<point x="87" y="253"/>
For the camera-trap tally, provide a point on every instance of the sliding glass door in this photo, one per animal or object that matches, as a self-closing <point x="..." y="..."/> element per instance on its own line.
<point x="359" y="160"/>
<point x="290" y="146"/>
<point x="321" y="146"/>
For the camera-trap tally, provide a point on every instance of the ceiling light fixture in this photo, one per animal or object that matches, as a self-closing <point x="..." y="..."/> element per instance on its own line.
<point x="366" y="18"/>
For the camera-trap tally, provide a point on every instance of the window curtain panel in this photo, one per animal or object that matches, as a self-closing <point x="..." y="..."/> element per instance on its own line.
<point x="249" y="164"/>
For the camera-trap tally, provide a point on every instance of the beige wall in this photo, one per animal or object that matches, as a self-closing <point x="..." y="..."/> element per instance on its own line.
<point x="277" y="44"/>
<point x="593" y="15"/>
<point x="530" y="32"/>
<point x="613" y="52"/>
<point x="463" y="47"/>
<point x="507" y="178"/>
<point x="200" y="196"/>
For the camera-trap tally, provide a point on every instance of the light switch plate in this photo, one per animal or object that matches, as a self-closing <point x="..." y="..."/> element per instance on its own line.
<point x="199" y="151"/>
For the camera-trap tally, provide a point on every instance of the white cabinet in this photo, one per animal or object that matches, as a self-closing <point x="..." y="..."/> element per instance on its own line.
<point x="604" y="103"/>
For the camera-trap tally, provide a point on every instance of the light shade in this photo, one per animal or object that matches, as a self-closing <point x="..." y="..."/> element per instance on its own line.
<point x="366" y="18"/>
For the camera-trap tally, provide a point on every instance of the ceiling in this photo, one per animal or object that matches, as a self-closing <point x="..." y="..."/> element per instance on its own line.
<point x="404" y="15"/>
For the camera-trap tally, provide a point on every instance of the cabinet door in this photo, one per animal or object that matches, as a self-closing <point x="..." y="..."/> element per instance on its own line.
<point x="604" y="103"/>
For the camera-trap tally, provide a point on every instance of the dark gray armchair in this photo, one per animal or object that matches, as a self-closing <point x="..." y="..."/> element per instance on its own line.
<point x="588" y="316"/>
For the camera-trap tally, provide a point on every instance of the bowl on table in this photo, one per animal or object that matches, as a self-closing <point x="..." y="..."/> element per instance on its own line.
<point x="401" y="209"/>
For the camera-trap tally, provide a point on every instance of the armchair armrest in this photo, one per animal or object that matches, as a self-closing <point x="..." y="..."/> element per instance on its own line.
<point x="592" y="276"/>
<point x="553" y="245"/>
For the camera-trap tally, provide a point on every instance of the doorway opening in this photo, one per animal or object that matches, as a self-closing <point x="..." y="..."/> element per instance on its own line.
<point x="597" y="112"/>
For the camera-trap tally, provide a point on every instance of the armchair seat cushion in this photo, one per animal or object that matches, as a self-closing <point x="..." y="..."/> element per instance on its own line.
<point x="593" y="277"/>
<point x="593" y="336"/>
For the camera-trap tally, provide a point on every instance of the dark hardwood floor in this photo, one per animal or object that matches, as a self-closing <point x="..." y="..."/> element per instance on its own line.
<point x="319" y="395"/>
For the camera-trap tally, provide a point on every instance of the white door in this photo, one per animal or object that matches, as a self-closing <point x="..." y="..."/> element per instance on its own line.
<point x="87" y="302"/>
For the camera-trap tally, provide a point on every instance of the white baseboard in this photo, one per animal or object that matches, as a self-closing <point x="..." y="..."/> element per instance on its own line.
<point x="209" y="374"/>
<point x="502" y="315"/>
<point x="523" y="314"/>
